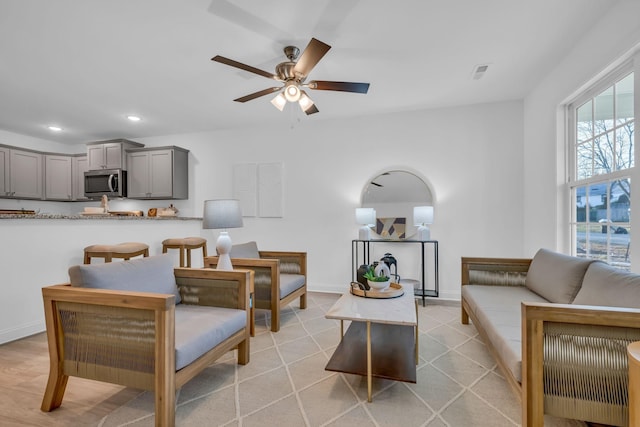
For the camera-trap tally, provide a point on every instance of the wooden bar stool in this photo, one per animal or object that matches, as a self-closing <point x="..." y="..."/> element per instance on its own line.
<point x="121" y="250"/>
<point x="185" y="245"/>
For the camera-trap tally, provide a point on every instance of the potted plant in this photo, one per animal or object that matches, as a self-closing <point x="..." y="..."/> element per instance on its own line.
<point x="377" y="282"/>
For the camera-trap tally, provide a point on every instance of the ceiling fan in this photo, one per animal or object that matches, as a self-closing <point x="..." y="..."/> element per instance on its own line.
<point x="293" y="74"/>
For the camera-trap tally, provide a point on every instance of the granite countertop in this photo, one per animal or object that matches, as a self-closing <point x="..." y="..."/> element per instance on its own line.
<point x="102" y="217"/>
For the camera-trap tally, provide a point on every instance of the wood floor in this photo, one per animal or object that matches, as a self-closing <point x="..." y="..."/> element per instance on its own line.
<point x="24" y="368"/>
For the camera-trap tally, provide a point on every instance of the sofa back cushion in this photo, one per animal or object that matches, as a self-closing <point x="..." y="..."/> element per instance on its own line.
<point x="608" y="286"/>
<point x="151" y="274"/>
<point x="556" y="277"/>
<point x="245" y="250"/>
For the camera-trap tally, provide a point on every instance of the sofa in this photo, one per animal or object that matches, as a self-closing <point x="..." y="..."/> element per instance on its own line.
<point x="144" y="324"/>
<point x="558" y="327"/>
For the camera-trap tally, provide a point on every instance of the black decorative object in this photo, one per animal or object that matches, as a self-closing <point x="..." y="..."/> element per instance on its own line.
<point x="360" y="276"/>
<point x="392" y="263"/>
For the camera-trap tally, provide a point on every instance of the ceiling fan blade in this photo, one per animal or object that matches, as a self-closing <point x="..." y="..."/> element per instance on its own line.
<point x="249" y="21"/>
<point x="257" y="94"/>
<point x="312" y="54"/>
<point x="339" y="86"/>
<point x="311" y="110"/>
<point x="249" y="68"/>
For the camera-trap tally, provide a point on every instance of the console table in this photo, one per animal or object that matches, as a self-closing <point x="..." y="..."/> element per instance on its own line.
<point x="366" y="250"/>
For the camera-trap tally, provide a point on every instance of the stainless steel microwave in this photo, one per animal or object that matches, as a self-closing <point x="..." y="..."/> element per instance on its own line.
<point x="112" y="182"/>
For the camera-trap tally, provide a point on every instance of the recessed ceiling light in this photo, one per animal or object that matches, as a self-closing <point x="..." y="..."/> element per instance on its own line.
<point x="54" y="128"/>
<point x="133" y="118"/>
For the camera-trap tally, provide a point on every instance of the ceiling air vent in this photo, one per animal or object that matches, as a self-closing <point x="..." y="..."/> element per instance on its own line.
<point x="479" y="70"/>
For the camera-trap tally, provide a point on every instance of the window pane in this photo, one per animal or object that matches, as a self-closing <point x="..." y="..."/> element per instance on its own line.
<point x="584" y="121"/>
<point x="624" y="100"/>
<point x="603" y="154"/>
<point x="597" y="242"/>
<point x="620" y="194"/>
<point x="584" y="161"/>
<point x="580" y="198"/>
<point x="603" y="111"/>
<point x="624" y="146"/>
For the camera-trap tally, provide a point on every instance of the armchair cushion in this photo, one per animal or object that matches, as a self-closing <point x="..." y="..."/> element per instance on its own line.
<point x="152" y="274"/>
<point x="201" y="328"/>
<point x="289" y="283"/>
<point x="556" y="277"/>
<point x="608" y="286"/>
<point x="245" y="250"/>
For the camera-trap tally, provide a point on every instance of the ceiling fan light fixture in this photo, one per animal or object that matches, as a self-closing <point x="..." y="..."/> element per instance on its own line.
<point x="292" y="91"/>
<point x="305" y="102"/>
<point x="279" y="101"/>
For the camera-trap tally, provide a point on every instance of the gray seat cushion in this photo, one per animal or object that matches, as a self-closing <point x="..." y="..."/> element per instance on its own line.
<point x="200" y="328"/>
<point x="556" y="277"/>
<point x="289" y="283"/>
<point x="608" y="286"/>
<point x="152" y="274"/>
<point x="499" y="312"/>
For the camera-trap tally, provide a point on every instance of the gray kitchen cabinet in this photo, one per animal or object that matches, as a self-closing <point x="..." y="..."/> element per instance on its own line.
<point x="158" y="173"/>
<point x="109" y="154"/>
<point x="57" y="177"/>
<point x="79" y="165"/>
<point x="25" y="175"/>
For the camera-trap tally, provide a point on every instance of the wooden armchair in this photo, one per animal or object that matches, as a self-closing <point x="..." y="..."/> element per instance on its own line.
<point x="280" y="277"/>
<point x="136" y="339"/>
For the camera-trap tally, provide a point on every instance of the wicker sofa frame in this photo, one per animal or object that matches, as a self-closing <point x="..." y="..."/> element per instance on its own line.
<point x="267" y="271"/>
<point x="574" y="358"/>
<point x="128" y="338"/>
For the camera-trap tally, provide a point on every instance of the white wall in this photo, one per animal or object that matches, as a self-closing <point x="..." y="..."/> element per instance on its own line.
<point x="545" y="207"/>
<point x="471" y="156"/>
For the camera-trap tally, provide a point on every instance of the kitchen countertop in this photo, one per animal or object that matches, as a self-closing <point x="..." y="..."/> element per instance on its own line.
<point x="98" y="217"/>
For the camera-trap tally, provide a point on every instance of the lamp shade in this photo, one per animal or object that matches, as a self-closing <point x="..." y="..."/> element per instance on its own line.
<point x="222" y="213"/>
<point x="366" y="216"/>
<point x="422" y="215"/>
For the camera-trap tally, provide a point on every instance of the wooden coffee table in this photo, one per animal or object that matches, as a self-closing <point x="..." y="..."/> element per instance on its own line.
<point x="382" y="340"/>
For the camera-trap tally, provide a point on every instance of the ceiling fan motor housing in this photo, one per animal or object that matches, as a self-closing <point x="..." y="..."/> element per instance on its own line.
<point x="284" y="71"/>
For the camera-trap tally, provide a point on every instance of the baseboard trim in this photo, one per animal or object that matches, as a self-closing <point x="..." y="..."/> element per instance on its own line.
<point x="23" y="331"/>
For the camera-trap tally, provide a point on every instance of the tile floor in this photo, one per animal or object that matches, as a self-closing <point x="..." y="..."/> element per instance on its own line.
<point x="285" y="383"/>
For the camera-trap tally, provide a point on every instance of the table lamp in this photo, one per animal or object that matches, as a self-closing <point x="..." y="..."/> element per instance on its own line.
<point x="423" y="215"/>
<point x="366" y="217"/>
<point x="222" y="214"/>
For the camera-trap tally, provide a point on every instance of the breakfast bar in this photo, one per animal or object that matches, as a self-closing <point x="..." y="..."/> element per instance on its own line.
<point x="38" y="249"/>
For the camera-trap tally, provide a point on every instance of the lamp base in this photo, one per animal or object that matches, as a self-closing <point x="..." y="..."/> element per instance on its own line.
<point x="364" y="233"/>
<point x="423" y="233"/>
<point x="223" y="247"/>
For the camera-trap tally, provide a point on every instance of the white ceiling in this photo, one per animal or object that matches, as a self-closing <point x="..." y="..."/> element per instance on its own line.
<point x="86" y="64"/>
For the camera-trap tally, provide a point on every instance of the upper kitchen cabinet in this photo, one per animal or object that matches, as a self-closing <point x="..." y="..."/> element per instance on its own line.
<point x="57" y="181"/>
<point x="25" y="175"/>
<point x="109" y="154"/>
<point x="158" y="173"/>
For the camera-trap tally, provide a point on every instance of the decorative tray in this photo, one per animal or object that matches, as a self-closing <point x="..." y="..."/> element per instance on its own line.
<point x="393" y="291"/>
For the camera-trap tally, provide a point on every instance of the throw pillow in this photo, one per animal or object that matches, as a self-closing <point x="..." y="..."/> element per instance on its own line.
<point x="556" y="277"/>
<point x="151" y="274"/>
<point x="245" y="250"/>
<point x="608" y="286"/>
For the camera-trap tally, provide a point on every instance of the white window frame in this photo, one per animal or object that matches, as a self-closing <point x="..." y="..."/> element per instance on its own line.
<point x="632" y="65"/>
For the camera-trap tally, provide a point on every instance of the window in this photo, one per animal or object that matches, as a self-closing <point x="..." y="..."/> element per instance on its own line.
<point x="602" y="145"/>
